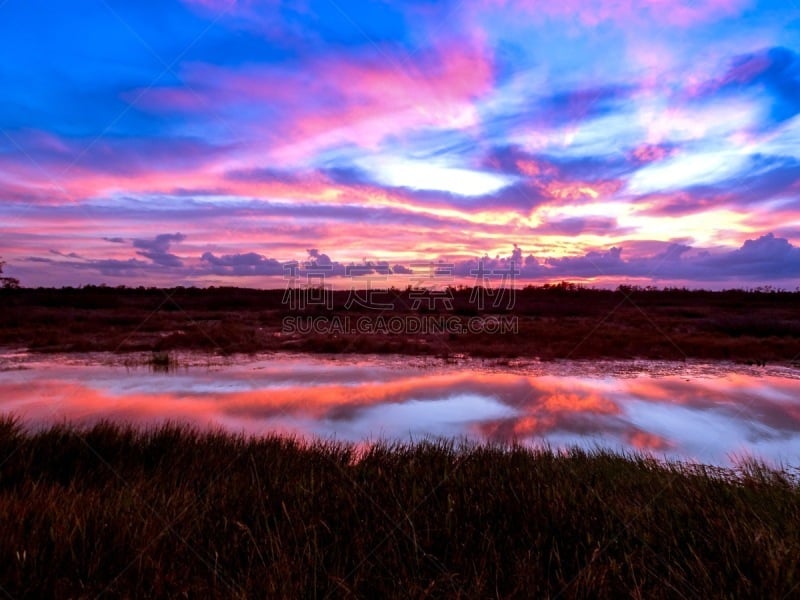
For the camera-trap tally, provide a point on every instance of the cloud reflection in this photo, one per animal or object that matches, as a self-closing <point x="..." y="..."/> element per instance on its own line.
<point x="707" y="418"/>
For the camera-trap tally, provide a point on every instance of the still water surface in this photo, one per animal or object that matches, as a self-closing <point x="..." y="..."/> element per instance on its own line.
<point x="713" y="413"/>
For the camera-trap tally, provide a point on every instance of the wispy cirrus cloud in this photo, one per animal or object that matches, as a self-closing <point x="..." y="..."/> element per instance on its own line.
<point x="324" y="101"/>
<point x="590" y="13"/>
<point x="400" y="130"/>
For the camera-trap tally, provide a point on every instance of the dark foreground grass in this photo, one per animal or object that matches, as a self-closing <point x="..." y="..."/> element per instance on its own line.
<point x="170" y="512"/>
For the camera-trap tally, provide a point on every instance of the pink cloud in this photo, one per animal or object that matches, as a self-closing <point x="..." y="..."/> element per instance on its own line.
<point x="647" y="153"/>
<point x="333" y="100"/>
<point x="574" y="191"/>
<point x="643" y="440"/>
<point x="682" y="13"/>
<point x="535" y="168"/>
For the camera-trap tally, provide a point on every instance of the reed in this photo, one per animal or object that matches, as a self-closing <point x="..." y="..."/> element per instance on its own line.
<point x="170" y="511"/>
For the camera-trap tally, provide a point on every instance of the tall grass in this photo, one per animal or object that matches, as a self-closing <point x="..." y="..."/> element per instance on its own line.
<point x="172" y="512"/>
<point x="162" y="362"/>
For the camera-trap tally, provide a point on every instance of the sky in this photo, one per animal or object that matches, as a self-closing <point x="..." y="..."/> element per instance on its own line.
<point x="215" y="142"/>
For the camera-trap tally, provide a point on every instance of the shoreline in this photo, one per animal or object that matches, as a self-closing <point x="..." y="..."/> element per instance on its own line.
<point x="187" y="359"/>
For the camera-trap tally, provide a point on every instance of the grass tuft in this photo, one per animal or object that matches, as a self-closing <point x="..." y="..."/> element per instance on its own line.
<point x="171" y="511"/>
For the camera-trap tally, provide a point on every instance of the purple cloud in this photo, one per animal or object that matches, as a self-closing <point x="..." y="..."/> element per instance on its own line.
<point x="157" y="249"/>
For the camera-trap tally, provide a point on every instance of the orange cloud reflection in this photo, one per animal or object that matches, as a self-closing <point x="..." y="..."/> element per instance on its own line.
<point x="361" y="400"/>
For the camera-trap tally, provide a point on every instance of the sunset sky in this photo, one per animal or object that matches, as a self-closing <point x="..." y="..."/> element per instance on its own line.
<point x="209" y="142"/>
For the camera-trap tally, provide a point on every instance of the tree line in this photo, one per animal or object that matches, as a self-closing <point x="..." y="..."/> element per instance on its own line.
<point x="7" y="282"/>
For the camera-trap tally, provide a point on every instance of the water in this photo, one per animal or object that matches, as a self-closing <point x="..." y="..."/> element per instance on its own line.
<point x="713" y="413"/>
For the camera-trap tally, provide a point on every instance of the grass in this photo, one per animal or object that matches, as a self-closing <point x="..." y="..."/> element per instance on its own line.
<point x="162" y="362"/>
<point x="172" y="512"/>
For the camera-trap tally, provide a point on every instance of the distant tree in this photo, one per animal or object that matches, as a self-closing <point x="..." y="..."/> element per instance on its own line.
<point x="7" y="282"/>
